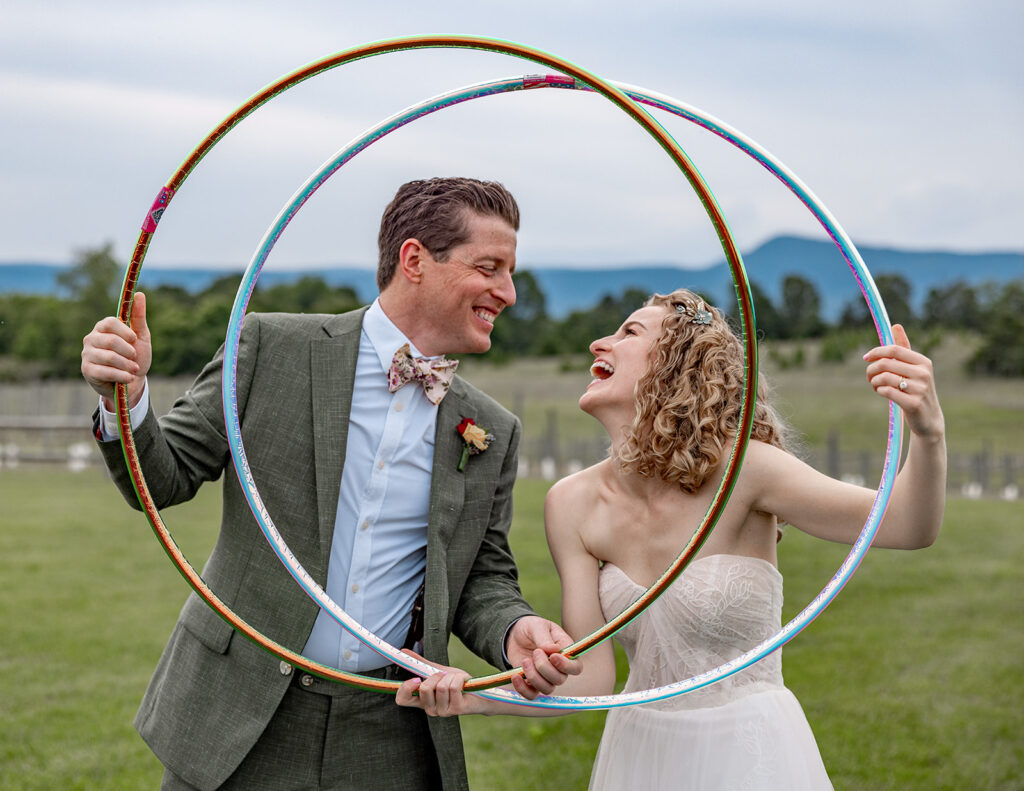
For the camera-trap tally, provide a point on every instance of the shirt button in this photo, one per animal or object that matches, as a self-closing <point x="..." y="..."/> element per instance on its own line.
<point x="365" y="524"/>
<point x="347" y="655"/>
<point x="355" y="588"/>
<point x="380" y="465"/>
<point x="306" y="680"/>
<point x="399" y="407"/>
<point x="286" y="669"/>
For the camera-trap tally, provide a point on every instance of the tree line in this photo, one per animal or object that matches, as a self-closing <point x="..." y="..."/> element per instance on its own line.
<point x="40" y="335"/>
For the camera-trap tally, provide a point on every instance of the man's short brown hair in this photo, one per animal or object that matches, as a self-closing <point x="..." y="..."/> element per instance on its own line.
<point x="434" y="212"/>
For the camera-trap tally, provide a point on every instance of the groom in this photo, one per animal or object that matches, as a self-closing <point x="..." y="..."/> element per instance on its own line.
<point x="361" y="473"/>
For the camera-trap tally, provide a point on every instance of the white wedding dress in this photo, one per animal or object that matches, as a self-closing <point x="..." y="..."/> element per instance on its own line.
<point x="746" y="731"/>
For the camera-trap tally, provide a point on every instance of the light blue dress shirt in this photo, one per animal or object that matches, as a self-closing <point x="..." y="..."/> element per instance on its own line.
<point x="379" y="551"/>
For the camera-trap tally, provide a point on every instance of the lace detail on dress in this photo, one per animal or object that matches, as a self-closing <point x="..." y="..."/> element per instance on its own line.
<point x="720" y="607"/>
<point x="754" y="738"/>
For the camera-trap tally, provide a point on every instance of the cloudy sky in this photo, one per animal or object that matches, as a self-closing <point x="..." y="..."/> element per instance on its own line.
<point x="904" y="117"/>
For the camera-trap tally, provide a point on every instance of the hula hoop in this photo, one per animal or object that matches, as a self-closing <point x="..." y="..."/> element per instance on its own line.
<point x="794" y="627"/>
<point x="592" y="82"/>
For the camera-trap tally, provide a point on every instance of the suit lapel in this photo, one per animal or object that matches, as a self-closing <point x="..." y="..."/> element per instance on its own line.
<point x="447" y="492"/>
<point x="333" y="368"/>
<point x="448" y="485"/>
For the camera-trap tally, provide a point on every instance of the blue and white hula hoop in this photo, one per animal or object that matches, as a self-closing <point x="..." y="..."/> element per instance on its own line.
<point x="689" y="113"/>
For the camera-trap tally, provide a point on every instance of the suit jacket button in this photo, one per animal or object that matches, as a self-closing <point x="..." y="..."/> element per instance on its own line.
<point x="306" y="680"/>
<point x="286" y="669"/>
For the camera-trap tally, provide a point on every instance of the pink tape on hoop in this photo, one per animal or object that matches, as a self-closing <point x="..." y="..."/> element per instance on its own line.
<point x="157" y="209"/>
<point x="537" y="80"/>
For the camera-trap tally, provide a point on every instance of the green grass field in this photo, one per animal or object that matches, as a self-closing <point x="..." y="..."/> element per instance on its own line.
<point x="911" y="679"/>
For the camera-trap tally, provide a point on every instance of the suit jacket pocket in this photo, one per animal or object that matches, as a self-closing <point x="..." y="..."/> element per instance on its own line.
<point x="205" y="625"/>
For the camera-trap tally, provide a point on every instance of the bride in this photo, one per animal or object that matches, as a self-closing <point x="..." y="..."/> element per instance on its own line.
<point x="667" y="388"/>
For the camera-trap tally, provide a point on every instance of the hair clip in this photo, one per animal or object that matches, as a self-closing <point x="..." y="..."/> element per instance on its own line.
<point x="700" y="315"/>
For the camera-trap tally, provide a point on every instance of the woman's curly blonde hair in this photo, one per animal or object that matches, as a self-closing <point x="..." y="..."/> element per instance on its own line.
<point x="688" y="401"/>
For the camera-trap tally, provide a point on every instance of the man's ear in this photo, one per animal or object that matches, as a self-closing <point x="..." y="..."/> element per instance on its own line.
<point x="412" y="256"/>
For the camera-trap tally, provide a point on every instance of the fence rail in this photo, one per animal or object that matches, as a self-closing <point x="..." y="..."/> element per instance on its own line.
<point x="64" y="440"/>
<point x="51" y="439"/>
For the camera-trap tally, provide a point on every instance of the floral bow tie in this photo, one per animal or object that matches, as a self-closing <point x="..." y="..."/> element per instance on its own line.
<point x="434" y="375"/>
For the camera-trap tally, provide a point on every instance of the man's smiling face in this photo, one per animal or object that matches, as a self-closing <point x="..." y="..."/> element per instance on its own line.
<point x="468" y="289"/>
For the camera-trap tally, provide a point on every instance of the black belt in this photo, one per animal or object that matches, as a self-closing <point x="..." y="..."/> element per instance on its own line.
<point x="307" y="682"/>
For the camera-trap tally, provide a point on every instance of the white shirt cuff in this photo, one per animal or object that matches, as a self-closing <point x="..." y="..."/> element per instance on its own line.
<point x="108" y="419"/>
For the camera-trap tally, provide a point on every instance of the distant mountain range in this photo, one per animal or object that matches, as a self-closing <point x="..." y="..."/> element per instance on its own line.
<point x="571" y="288"/>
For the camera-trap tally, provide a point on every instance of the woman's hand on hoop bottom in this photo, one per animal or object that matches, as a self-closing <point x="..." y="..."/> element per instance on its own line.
<point x="440" y="694"/>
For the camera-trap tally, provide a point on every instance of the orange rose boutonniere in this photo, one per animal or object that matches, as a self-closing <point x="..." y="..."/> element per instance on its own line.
<point x="476" y="438"/>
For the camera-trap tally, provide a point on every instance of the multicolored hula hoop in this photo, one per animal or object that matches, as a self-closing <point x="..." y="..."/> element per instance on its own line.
<point x="593" y="83"/>
<point x="787" y="633"/>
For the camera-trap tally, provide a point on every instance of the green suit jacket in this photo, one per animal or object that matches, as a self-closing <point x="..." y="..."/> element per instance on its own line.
<point x="213" y="693"/>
